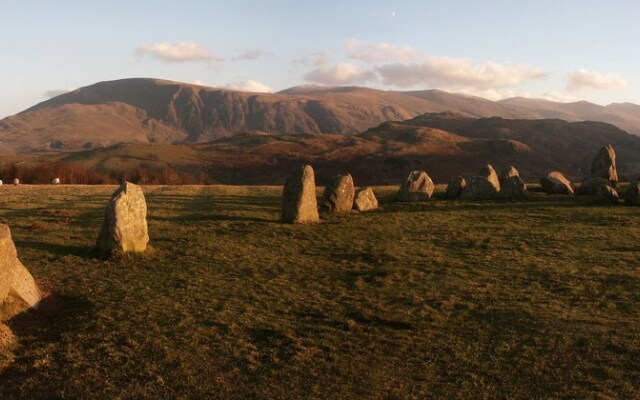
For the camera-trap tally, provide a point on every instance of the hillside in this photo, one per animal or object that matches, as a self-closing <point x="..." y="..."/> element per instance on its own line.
<point x="444" y="144"/>
<point x="151" y="111"/>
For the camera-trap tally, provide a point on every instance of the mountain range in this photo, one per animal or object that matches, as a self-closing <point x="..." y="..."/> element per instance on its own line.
<point x="152" y="111"/>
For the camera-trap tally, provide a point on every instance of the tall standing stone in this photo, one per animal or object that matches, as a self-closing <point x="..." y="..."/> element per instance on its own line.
<point x="490" y="173"/>
<point x="338" y="195"/>
<point x="513" y="188"/>
<point x="508" y="173"/>
<point x="417" y="187"/>
<point x="604" y="165"/>
<point x="299" y="204"/>
<point x="18" y="290"/>
<point x="125" y="221"/>
<point x="478" y="188"/>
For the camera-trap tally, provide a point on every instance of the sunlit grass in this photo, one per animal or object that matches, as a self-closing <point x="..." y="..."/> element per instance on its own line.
<point x="438" y="299"/>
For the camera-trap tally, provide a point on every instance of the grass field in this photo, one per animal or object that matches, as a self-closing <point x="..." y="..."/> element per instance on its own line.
<point x="443" y="299"/>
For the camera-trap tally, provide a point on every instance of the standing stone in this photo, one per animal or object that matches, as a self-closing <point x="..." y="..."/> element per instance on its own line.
<point x="55" y="181"/>
<point x="18" y="290"/>
<point x="604" y="165"/>
<point x="632" y="195"/>
<point x="556" y="183"/>
<point x="478" y="188"/>
<point x="365" y="200"/>
<point x="488" y="172"/>
<point x="338" y="196"/>
<point x="299" y="204"/>
<point x="125" y="221"/>
<point x="508" y="173"/>
<point x="417" y="187"/>
<point x="513" y="188"/>
<point x="16" y="182"/>
<point x="455" y="187"/>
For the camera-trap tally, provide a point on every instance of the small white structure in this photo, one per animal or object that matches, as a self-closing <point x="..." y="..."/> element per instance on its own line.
<point x="55" y="181"/>
<point x="16" y="181"/>
<point x="1" y="182"/>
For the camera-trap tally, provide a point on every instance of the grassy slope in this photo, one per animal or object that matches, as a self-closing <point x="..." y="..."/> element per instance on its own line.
<point x="441" y="299"/>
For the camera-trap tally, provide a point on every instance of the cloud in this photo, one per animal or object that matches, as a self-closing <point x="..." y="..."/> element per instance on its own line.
<point x="378" y="52"/>
<point x="177" y="52"/>
<point x="316" y="59"/>
<point x="55" y="92"/>
<point x="457" y="74"/>
<point x="559" y="97"/>
<point x="252" y="54"/>
<point x="582" y="79"/>
<point x="339" y="74"/>
<point x="249" y="86"/>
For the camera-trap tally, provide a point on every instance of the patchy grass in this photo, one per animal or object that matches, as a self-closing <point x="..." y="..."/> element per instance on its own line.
<point x="450" y="299"/>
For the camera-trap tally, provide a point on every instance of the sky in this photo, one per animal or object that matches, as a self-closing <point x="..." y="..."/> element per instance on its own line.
<point x="561" y="50"/>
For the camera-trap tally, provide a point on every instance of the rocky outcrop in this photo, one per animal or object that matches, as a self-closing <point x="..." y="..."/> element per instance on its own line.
<point x="417" y="187"/>
<point x="365" y="200"/>
<point x="299" y="204"/>
<point x="18" y="290"/>
<point x="604" y="165"/>
<point x="125" y="221"/>
<point x="513" y="188"/>
<point x="556" y="183"/>
<point x="338" y="195"/>
<point x="478" y="188"/>
<point x="455" y="187"/>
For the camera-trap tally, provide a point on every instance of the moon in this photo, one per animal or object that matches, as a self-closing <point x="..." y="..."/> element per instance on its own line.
<point x="393" y="14"/>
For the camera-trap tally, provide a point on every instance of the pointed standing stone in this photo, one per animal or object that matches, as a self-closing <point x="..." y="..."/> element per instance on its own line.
<point x="338" y="196"/>
<point x="556" y="183"/>
<point x="299" y="204"/>
<point x="125" y="221"/>
<point x="455" y="187"/>
<point x="490" y="173"/>
<point x="604" y="165"/>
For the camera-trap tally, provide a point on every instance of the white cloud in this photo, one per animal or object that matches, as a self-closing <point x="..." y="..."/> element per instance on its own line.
<point x="177" y="52"/>
<point x="559" y="97"/>
<point x="316" y="59"/>
<point x="582" y="79"/>
<point x="249" y="86"/>
<point x="378" y="52"/>
<point x="457" y="74"/>
<point x="339" y="74"/>
<point x="55" y="92"/>
<point x="252" y="54"/>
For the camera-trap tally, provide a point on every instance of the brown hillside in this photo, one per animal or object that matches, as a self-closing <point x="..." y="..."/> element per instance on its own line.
<point x="163" y="112"/>
<point x="445" y="145"/>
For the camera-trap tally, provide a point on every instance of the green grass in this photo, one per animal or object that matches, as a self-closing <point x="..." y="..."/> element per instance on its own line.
<point x="443" y="299"/>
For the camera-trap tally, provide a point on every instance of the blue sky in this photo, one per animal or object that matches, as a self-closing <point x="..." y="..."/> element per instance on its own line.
<point x="562" y="50"/>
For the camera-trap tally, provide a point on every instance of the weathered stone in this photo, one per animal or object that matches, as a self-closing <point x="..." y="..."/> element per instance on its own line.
<point x="125" y="221"/>
<point x="478" y="188"/>
<point x="604" y="165"/>
<point x="365" y="200"/>
<point x="513" y="188"/>
<point x="338" y="195"/>
<point x="490" y="173"/>
<point x="417" y="187"/>
<point x="556" y="183"/>
<point x="455" y="187"/>
<point x="16" y="182"/>
<point x="18" y="290"/>
<point x="299" y="204"/>
<point x="508" y="173"/>
<point x="606" y="194"/>
<point x="7" y="338"/>
<point x="632" y="195"/>
<point x="590" y="185"/>
<point x="55" y="181"/>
